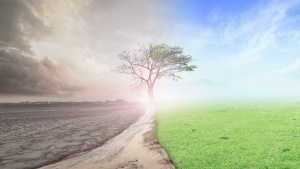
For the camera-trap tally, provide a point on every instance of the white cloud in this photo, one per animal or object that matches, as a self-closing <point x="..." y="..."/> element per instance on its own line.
<point x="243" y="51"/>
<point x="254" y="32"/>
<point x="290" y="68"/>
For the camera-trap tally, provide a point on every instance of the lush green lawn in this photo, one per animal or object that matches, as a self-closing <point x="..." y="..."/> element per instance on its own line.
<point x="236" y="136"/>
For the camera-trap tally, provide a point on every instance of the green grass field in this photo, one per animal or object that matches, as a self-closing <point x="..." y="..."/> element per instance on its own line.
<point x="231" y="136"/>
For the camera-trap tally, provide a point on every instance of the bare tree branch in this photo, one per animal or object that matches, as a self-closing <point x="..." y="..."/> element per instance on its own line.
<point x="147" y="64"/>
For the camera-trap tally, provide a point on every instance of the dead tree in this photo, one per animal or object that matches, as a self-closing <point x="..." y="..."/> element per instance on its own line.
<point x="148" y="64"/>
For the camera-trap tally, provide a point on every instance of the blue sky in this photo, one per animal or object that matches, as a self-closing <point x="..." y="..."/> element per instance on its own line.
<point x="243" y="49"/>
<point x="68" y="50"/>
<point x="203" y="12"/>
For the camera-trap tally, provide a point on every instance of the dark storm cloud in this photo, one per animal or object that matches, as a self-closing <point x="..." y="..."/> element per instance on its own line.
<point x="19" y="25"/>
<point x="22" y="75"/>
<point x="81" y="40"/>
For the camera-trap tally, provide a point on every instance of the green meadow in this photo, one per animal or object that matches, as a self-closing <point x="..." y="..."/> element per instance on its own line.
<point x="220" y="136"/>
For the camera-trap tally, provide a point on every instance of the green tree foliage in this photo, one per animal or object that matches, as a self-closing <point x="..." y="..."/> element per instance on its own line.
<point x="148" y="64"/>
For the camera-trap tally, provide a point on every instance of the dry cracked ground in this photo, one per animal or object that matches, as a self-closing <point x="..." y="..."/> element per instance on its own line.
<point x="33" y="136"/>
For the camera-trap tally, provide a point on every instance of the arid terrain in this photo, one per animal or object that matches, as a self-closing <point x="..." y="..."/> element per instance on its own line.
<point x="135" y="148"/>
<point x="35" y="135"/>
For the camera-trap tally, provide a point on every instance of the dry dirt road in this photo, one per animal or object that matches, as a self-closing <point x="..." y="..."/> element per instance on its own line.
<point x="32" y="136"/>
<point x="134" y="148"/>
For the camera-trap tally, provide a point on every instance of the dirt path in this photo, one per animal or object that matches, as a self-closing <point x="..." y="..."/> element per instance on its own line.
<point x="135" y="148"/>
<point x="32" y="136"/>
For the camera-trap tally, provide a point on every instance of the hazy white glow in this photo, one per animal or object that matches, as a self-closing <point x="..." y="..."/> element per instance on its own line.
<point x="253" y="54"/>
<point x="82" y="40"/>
<point x="250" y="53"/>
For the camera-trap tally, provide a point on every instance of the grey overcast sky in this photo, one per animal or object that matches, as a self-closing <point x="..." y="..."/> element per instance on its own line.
<point x="67" y="50"/>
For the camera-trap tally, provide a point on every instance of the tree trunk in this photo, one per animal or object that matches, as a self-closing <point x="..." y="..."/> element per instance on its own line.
<point x="150" y="94"/>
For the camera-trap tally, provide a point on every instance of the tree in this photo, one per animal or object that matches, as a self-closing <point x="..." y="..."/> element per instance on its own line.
<point x="148" y="64"/>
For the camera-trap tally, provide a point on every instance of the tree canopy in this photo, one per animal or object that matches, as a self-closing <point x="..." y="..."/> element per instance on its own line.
<point x="148" y="64"/>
